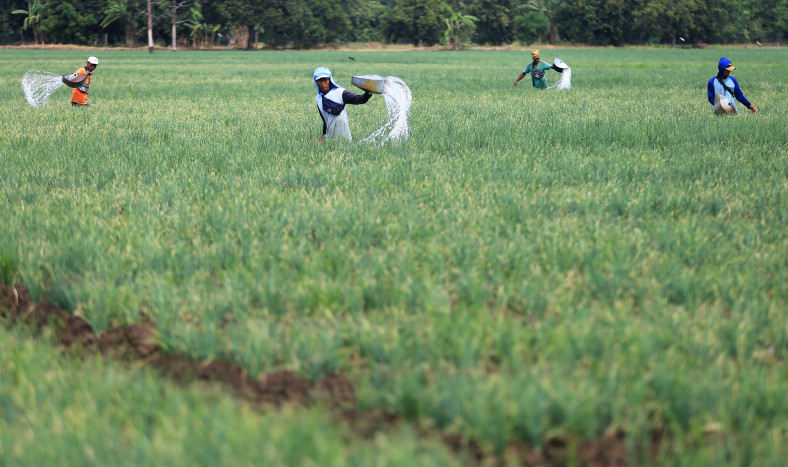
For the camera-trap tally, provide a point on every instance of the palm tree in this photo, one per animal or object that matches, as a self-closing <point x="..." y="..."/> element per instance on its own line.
<point x="34" y="10"/>
<point x="122" y="10"/>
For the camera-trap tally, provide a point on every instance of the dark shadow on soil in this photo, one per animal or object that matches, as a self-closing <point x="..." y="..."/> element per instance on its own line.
<point x="138" y="343"/>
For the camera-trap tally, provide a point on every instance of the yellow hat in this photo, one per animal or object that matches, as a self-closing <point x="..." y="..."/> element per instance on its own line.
<point x="535" y="53"/>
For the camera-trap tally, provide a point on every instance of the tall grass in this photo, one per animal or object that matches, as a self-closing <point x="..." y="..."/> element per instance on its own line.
<point x="528" y="262"/>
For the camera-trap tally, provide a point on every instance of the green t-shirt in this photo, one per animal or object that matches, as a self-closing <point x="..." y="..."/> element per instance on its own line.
<point x="541" y="66"/>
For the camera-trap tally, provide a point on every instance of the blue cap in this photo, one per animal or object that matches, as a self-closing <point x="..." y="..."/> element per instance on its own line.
<point x="323" y="72"/>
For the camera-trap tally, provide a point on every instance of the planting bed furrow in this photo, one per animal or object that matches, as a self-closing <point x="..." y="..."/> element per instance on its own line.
<point x="138" y="343"/>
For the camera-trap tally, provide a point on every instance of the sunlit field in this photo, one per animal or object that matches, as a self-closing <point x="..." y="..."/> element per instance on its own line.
<point x="528" y="264"/>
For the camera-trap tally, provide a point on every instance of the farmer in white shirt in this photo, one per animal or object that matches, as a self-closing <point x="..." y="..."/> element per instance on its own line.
<point x="331" y="100"/>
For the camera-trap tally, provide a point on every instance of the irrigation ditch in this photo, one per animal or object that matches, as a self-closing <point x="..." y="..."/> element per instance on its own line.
<point x="137" y="345"/>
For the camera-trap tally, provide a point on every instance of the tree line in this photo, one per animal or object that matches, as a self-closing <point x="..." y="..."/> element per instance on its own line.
<point x="457" y="23"/>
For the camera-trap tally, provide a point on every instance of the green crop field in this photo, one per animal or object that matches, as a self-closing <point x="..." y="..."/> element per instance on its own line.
<point x="529" y="265"/>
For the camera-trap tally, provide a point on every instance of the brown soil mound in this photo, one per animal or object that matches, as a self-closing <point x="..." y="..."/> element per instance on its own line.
<point x="138" y="343"/>
<point x="609" y="450"/>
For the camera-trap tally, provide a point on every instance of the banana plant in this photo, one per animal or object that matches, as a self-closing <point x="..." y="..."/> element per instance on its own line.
<point x="35" y="9"/>
<point x="195" y="25"/>
<point x="548" y="8"/>
<point x="122" y="10"/>
<point x="459" y="29"/>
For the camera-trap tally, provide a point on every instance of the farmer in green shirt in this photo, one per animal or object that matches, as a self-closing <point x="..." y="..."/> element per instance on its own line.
<point x="537" y="69"/>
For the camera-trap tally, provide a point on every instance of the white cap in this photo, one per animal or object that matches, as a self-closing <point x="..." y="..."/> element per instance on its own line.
<point x="93" y="60"/>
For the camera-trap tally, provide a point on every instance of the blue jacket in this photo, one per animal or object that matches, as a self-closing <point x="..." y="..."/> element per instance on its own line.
<point x="713" y="83"/>
<point x="715" y="87"/>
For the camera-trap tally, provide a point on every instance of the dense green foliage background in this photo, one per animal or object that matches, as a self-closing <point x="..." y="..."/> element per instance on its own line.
<point x="306" y="23"/>
<point x="528" y="262"/>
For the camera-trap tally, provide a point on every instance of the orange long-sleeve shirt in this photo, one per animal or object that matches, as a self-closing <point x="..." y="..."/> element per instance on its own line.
<point x="78" y="96"/>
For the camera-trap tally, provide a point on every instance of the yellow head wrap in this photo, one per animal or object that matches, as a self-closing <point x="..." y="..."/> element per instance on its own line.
<point x="535" y="53"/>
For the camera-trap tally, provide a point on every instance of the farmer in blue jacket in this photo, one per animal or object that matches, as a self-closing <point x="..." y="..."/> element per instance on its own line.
<point x="727" y="86"/>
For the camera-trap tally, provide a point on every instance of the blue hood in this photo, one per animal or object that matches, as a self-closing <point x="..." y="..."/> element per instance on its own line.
<point x="323" y="72"/>
<point x="722" y="65"/>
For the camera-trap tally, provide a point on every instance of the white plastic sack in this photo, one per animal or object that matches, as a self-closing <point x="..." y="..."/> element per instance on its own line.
<point x="722" y="105"/>
<point x="566" y="76"/>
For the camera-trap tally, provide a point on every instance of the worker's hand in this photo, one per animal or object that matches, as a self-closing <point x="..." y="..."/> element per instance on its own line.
<point x="322" y="139"/>
<point x="515" y="84"/>
<point x="753" y="109"/>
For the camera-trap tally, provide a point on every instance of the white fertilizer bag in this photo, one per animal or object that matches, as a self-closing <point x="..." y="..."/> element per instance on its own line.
<point x="566" y="75"/>
<point x="723" y="106"/>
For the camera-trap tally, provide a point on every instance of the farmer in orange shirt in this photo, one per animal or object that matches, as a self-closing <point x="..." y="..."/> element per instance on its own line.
<point x="79" y="96"/>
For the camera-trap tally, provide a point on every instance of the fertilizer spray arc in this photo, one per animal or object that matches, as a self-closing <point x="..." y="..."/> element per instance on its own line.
<point x="39" y="85"/>
<point x="398" y="99"/>
<point x="566" y="75"/>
